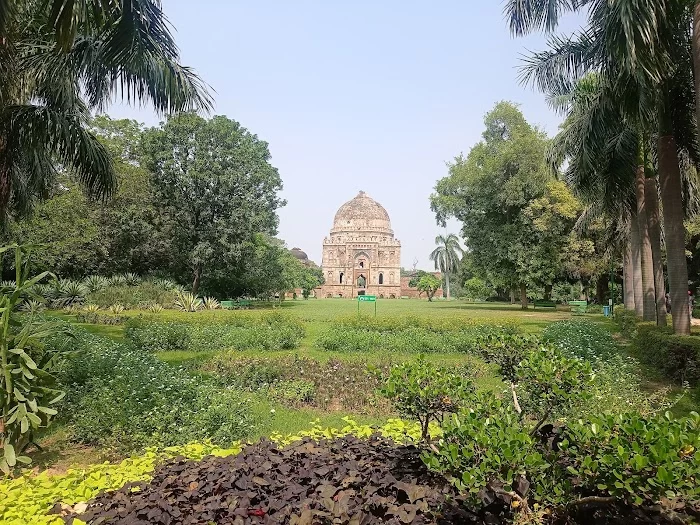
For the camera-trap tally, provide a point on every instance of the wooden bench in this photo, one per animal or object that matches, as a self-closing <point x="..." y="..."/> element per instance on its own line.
<point x="544" y="304"/>
<point x="578" y="307"/>
<point x="236" y="305"/>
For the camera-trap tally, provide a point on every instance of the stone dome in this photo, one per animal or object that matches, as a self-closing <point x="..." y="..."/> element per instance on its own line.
<point x="362" y="214"/>
<point x="299" y="254"/>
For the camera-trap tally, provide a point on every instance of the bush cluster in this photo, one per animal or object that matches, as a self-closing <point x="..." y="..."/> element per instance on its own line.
<point x="301" y="381"/>
<point x="416" y="335"/>
<point x="617" y="386"/>
<point x="139" y="295"/>
<point x="206" y="332"/>
<point x="626" y="321"/>
<point x="675" y="356"/>
<point x="491" y="455"/>
<point x="121" y="397"/>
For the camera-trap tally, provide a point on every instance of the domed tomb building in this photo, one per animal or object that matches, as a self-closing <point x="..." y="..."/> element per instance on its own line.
<point x="361" y="255"/>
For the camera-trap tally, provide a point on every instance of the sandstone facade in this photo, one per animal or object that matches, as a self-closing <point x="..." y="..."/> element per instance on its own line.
<point x="361" y="255"/>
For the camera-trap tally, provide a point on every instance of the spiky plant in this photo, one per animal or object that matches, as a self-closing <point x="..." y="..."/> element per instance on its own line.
<point x="91" y="308"/>
<point x="131" y="279"/>
<point x="211" y="303"/>
<point x="155" y="308"/>
<point x="165" y="284"/>
<point x="6" y="286"/>
<point x="32" y="306"/>
<point x="117" y="280"/>
<point x="116" y="308"/>
<point x="188" y="302"/>
<point x="95" y="283"/>
<point x="71" y="292"/>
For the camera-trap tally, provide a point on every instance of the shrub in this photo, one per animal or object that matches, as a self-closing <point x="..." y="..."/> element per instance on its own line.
<point x="132" y="296"/>
<point x="604" y="459"/>
<point x="675" y="356"/>
<point x="210" y="303"/>
<point x="414" y="335"/>
<point x="188" y="302"/>
<point x="127" y="399"/>
<point x="487" y="453"/>
<point x="337" y="385"/>
<point x="626" y="321"/>
<point x="95" y="283"/>
<point x="265" y="332"/>
<point x="426" y="392"/>
<point x="632" y="458"/>
<point x="551" y="383"/>
<point x="617" y="385"/>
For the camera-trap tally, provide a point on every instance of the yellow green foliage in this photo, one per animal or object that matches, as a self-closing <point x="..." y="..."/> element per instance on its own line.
<point x="29" y="498"/>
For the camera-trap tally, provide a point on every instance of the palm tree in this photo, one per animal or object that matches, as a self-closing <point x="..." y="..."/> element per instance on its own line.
<point x="610" y="168"/>
<point x="47" y="91"/>
<point x="644" y="47"/>
<point x="447" y="256"/>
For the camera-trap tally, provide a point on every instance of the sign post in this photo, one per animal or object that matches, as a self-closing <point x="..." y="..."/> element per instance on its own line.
<point x="367" y="299"/>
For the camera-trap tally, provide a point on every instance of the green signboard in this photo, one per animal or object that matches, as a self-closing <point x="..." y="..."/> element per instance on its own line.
<point x="367" y="299"/>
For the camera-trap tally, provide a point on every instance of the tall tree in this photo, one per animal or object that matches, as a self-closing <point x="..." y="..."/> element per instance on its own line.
<point x="47" y="91"/>
<point x="489" y="191"/>
<point x="213" y="179"/>
<point x="447" y="256"/>
<point x="645" y="48"/>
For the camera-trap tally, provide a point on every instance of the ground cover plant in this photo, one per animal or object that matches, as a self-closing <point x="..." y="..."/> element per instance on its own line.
<point x="347" y="480"/>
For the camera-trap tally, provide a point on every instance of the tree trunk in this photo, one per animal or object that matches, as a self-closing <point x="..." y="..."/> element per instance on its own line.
<point x="196" y="280"/>
<point x="637" y="267"/>
<point x="547" y="292"/>
<point x="652" y="204"/>
<point x="628" y="275"/>
<point x="647" y="262"/>
<point x="523" y="296"/>
<point x="512" y="295"/>
<point x="602" y="284"/>
<point x="672" y="200"/>
<point x="696" y="58"/>
<point x="447" y="285"/>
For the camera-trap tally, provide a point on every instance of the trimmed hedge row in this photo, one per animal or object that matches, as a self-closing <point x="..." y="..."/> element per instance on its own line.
<point x="199" y="332"/>
<point x="676" y="356"/>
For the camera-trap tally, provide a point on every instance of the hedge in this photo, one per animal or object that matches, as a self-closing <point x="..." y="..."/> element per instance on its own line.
<point x="676" y="356"/>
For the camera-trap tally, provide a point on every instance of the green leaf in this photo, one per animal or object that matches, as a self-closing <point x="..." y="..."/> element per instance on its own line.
<point x="10" y="455"/>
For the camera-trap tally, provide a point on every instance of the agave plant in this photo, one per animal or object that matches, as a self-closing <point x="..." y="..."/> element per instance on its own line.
<point x="155" y="308"/>
<point x="7" y="286"/>
<point x="91" y="308"/>
<point x="211" y="303"/>
<point x="32" y="306"/>
<point x="165" y="284"/>
<point x="71" y="292"/>
<point x="188" y="302"/>
<point x="131" y="279"/>
<point x="95" y="283"/>
<point x="117" y="280"/>
<point x="116" y="308"/>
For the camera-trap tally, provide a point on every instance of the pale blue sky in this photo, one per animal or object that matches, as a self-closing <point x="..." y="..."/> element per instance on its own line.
<point x="365" y="95"/>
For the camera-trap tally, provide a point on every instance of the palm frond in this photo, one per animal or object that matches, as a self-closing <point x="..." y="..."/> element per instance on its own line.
<point x="525" y="16"/>
<point x="34" y="134"/>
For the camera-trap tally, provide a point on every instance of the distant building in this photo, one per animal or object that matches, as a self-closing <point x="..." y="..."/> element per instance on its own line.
<point x="361" y="255"/>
